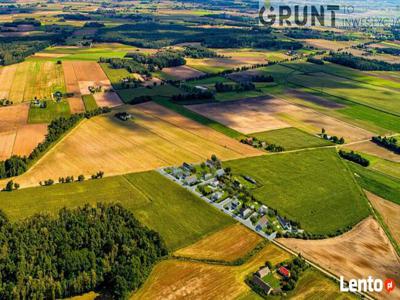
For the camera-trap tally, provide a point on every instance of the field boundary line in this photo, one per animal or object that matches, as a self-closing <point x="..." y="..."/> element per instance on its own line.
<point x="194" y="133"/>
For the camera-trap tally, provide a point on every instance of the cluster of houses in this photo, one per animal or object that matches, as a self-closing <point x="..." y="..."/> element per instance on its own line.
<point x="211" y="182"/>
<point x="259" y="279"/>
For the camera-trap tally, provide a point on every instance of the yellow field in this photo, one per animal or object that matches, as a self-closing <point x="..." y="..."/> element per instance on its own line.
<point x="172" y="279"/>
<point x="24" y="81"/>
<point x="229" y="244"/>
<point x="155" y="137"/>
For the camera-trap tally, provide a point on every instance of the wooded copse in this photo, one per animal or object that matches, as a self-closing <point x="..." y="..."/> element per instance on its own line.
<point x="85" y="249"/>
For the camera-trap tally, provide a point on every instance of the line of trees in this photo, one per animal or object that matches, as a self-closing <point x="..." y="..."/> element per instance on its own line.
<point x="199" y="52"/>
<point x="389" y="143"/>
<point x="354" y="157"/>
<point x="85" y="249"/>
<point x="360" y="63"/>
<point x="242" y="87"/>
<point x="17" y="165"/>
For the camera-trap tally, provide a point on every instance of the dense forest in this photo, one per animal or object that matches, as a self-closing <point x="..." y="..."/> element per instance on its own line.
<point x="157" y="35"/>
<point x="360" y="63"/>
<point x="89" y="248"/>
<point x="11" y="53"/>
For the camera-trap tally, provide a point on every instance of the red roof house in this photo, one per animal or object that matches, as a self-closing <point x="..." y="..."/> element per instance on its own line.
<point x="284" y="272"/>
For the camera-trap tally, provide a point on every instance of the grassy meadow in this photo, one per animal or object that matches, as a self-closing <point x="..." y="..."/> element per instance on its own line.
<point x="46" y="115"/>
<point x="383" y="185"/>
<point x="89" y="102"/>
<point x="164" y="91"/>
<point x="179" y="216"/>
<point x="312" y="187"/>
<point x="291" y="139"/>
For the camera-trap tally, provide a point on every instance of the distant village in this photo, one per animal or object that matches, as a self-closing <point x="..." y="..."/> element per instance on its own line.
<point x="232" y="195"/>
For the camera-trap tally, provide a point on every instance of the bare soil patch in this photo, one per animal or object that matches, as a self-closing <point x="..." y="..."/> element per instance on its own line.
<point x="269" y="113"/>
<point x="228" y="244"/>
<point x="6" y="144"/>
<point x="76" y="105"/>
<point x="14" y="116"/>
<point x="390" y="213"/>
<point x="79" y="76"/>
<point x="28" y="137"/>
<point x="110" y="99"/>
<point x="363" y="251"/>
<point x="329" y="45"/>
<point x="183" y="72"/>
<point x="373" y="149"/>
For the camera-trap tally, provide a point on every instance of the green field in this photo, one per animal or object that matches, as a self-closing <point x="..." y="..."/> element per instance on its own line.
<point x="291" y="139"/>
<point x="89" y="102"/>
<point x="381" y="165"/>
<point x="52" y="111"/>
<point x="179" y="216"/>
<point x="164" y="91"/>
<point x="354" y="113"/>
<point x="373" y="96"/>
<point x="313" y="187"/>
<point x="115" y="75"/>
<point x="209" y="82"/>
<point x="380" y="184"/>
<point x="88" y="54"/>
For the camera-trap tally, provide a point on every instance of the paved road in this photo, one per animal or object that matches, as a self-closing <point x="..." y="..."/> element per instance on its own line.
<point x="248" y="224"/>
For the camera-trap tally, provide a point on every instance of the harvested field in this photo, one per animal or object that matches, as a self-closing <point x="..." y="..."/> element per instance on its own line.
<point x="155" y="137"/>
<point x="328" y="44"/>
<point x="228" y="244"/>
<point x="13" y="116"/>
<point x="373" y="149"/>
<point x="6" y="79"/>
<point x="110" y="99"/>
<point x="172" y="279"/>
<point x="182" y="72"/>
<point x="6" y="144"/>
<point x="264" y="114"/>
<point x="16" y="136"/>
<point x="363" y="251"/>
<point x="28" y="137"/>
<point x="76" y="105"/>
<point x="390" y="213"/>
<point x="246" y="116"/>
<point x="31" y="79"/>
<point x="80" y="75"/>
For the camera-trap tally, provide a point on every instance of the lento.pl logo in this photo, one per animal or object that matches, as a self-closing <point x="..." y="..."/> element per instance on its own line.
<point x="296" y="15"/>
<point x="368" y="285"/>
